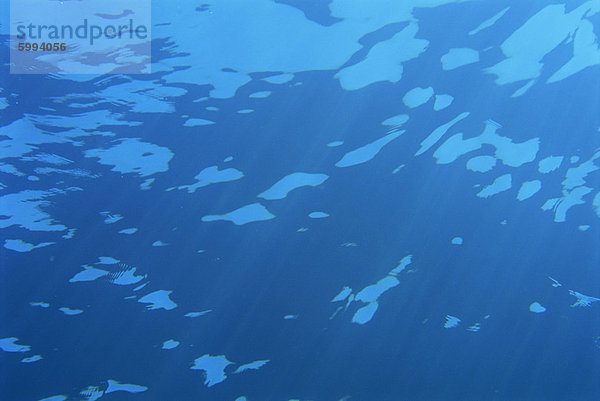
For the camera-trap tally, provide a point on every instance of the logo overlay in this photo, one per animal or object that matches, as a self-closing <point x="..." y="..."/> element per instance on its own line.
<point x="80" y="37"/>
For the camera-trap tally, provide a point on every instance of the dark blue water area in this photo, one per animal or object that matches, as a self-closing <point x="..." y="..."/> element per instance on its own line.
<point x="253" y="275"/>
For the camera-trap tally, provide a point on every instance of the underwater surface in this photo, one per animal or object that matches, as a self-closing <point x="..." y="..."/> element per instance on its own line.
<point x="310" y="200"/>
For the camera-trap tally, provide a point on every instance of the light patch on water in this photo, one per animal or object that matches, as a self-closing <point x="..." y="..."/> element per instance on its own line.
<point x="55" y="398"/>
<point x="474" y="328"/>
<point x="69" y="311"/>
<point x="318" y="215"/>
<point x="511" y="154"/>
<point x="131" y="155"/>
<point x="40" y="304"/>
<point x="335" y="144"/>
<point x="197" y="314"/>
<point x="245" y="111"/>
<point x="481" y="164"/>
<point x="159" y="243"/>
<point x="22" y="246"/>
<point x="451" y="321"/>
<point x="549" y="164"/>
<point x="281" y="188"/>
<point x="457" y="57"/>
<point x="365" y="314"/>
<point x="442" y="101"/>
<point x="24" y="209"/>
<point x="126" y="276"/>
<point x="114" y="385"/>
<point x="213" y="367"/>
<point x="244" y="215"/>
<point x="147" y="184"/>
<point x="403" y="264"/>
<point x="260" y="95"/>
<point x="527" y="46"/>
<point x="197" y="122"/>
<point x="437" y="134"/>
<point x="576" y="175"/>
<point x="417" y="97"/>
<point x="170" y="344"/>
<point x="107" y="260"/>
<point x="396" y="121"/>
<point x="128" y="231"/>
<point x="251" y="366"/>
<point x="582" y="300"/>
<point x="500" y="184"/>
<point x="367" y="152"/>
<point x="290" y="317"/>
<point x="31" y="359"/>
<point x="10" y="345"/>
<point x="400" y="167"/>
<point x="372" y="292"/>
<point x="212" y="175"/>
<point x="523" y="89"/>
<point x="528" y="189"/>
<point x="457" y="241"/>
<point x="89" y="273"/>
<point x="554" y="282"/>
<point x="158" y="300"/>
<point x="584" y="227"/>
<point x="384" y="60"/>
<point x="111" y="218"/>
<point x="346" y="291"/>
<point x="70" y="233"/>
<point x="279" y="79"/>
<point x="536" y="307"/>
<point x="489" y="22"/>
<point x="561" y="206"/>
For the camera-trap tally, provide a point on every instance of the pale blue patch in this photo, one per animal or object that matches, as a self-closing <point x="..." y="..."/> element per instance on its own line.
<point x="481" y="164"/>
<point x="511" y="154"/>
<point x="260" y="95"/>
<point x="365" y="314"/>
<point x="500" y="184"/>
<point x="88" y="274"/>
<point x="372" y="292"/>
<point x="54" y="398"/>
<point x="31" y="359"/>
<point x="318" y="215"/>
<point x="245" y="111"/>
<point x="213" y="366"/>
<point x="576" y="175"/>
<point x="583" y="227"/>
<point x="582" y="300"/>
<point x="489" y="22"/>
<point x="107" y="260"/>
<point x="159" y="243"/>
<point x="279" y="79"/>
<point x="158" y="300"/>
<point x="128" y="231"/>
<point x="536" y="308"/>
<point x="130" y="388"/>
<point x="170" y="344"/>
<point x="69" y="311"/>
<point x="457" y="57"/>
<point x="417" y="96"/>
<point x="126" y="277"/>
<point x="404" y="262"/>
<point x="10" y="345"/>
<point x="457" y="241"/>
<point x="197" y="314"/>
<point x="335" y="144"/>
<point x="196" y="122"/>
<point x="437" y="134"/>
<point x="134" y="156"/>
<point x="23" y="209"/>
<point x="451" y="321"/>
<point x="227" y="159"/>
<point x="523" y="89"/>
<point x="528" y="189"/>
<point x="574" y="159"/>
<point x="346" y="291"/>
<point x="396" y="121"/>
<point x="290" y="317"/>
<point x="562" y="205"/>
<point x="442" y="101"/>
<point x="22" y="246"/>
<point x="245" y="214"/>
<point x="281" y="188"/>
<point x="212" y="175"/>
<point x="384" y="60"/>
<point x="211" y="108"/>
<point x="40" y="304"/>
<point x="549" y="164"/>
<point x="367" y="152"/>
<point x="252" y="365"/>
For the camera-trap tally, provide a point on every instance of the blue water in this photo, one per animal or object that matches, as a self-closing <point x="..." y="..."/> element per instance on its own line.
<point x="268" y="284"/>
